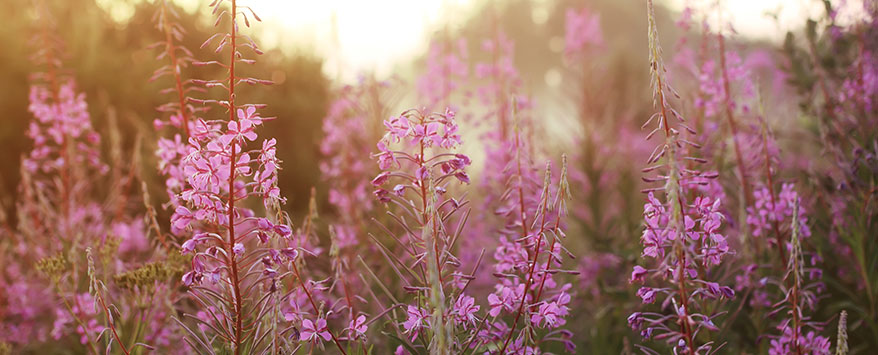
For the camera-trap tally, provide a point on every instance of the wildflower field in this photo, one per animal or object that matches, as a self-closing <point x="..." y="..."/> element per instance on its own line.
<point x="538" y="177"/>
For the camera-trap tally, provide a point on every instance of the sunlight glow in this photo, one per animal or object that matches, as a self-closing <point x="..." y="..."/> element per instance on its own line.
<point x="356" y="36"/>
<point x="767" y="19"/>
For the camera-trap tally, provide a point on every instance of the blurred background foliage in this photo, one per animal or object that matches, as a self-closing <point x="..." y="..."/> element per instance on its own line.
<point x="111" y="63"/>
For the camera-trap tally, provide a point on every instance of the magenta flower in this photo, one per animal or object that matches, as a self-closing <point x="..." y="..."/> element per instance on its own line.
<point x="548" y="315"/>
<point x="386" y="159"/>
<point x="357" y="327"/>
<point x="400" y="350"/>
<point x="181" y="218"/>
<point x="638" y="274"/>
<point x="551" y="314"/>
<point x="314" y="331"/>
<point x="505" y="301"/>
<point x="416" y="320"/>
<point x="191" y="277"/>
<point x="190" y="244"/>
<point x="397" y="128"/>
<point x="243" y="128"/>
<point x="647" y="294"/>
<point x="582" y="29"/>
<point x="465" y="309"/>
<point x="764" y="213"/>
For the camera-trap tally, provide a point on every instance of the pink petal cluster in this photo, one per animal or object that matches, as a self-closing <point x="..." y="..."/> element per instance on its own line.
<point x="582" y="31"/>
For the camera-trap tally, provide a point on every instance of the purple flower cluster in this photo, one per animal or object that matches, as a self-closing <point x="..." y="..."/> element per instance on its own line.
<point x="61" y="131"/>
<point x="768" y="210"/>
<point x="800" y="288"/>
<point x="713" y="89"/>
<point x="684" y="239"/>
<point x="236" y="253"/>
<point x="447" y="72"/>
<point x="530" y="243"/>
<point x="350" y="126"/>
<point x="420" y="172"/>
<point x="582" y="30"/>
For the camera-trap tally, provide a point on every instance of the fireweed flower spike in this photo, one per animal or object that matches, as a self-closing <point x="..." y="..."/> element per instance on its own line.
<point x="65" y="144"/>
<point x="799" y="296"/>
<point x="446" y="72"/>
<point x="238" y="257"/>
<point x="582" y="29"/>
<point x="683" y="238"/>
<point x="498" y="90"/>
<point x="351" y="126"/>
<point x="529" y="244"/>
<point x="180" y="115"/>
<point x="730" y="115"/>
<point x="354" y="122"/>
<point x="58" y="215"/>
<point x="421" y="183"/>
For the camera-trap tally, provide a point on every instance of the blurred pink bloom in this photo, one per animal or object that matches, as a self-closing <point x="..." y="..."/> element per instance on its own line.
<point x="311" y="331"/>
<point x="582" y="29"/>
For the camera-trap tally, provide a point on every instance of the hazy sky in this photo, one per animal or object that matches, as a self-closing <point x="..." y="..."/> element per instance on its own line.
<point x="374" y="35"/>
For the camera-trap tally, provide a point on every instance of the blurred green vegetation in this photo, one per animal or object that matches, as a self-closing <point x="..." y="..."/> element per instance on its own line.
<point x="112" y="65"/>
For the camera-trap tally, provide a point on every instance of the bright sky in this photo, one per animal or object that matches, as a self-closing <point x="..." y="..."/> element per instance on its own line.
<point x="374" y="35"/>
<point x="357" y="34"/>
<point x="755" y="18"/>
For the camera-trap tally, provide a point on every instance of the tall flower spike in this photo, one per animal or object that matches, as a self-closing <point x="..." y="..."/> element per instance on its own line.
<point x="499" y="91"/>
<point x="238" y="257"/>
<point x="768" y="159"/>
<point x="799" y="295"/>
<point x="684" y="239"/>
<point x="65" y="143"/>
<point x="178" y="113"/>
<point x="530" y="242"/>
<point x="446" y="72"/>
<point x="351" y="126"/>
<point x="422" y="182"/>
<point x="730" y="115"/>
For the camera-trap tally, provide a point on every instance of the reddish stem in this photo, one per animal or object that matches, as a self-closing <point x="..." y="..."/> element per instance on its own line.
<point x="178" y="81"/>
<point x="314" y="304"/>
<point x="231" y="202"/>
<point x="533" y="264"/>
<point x="110" y="321"/>
<point x="684" y="300"/>
<point x="770" y="178"/>
<point x="733" y="126"/>
<point x="681" y="255"/>
<point x="548" y="262"/>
